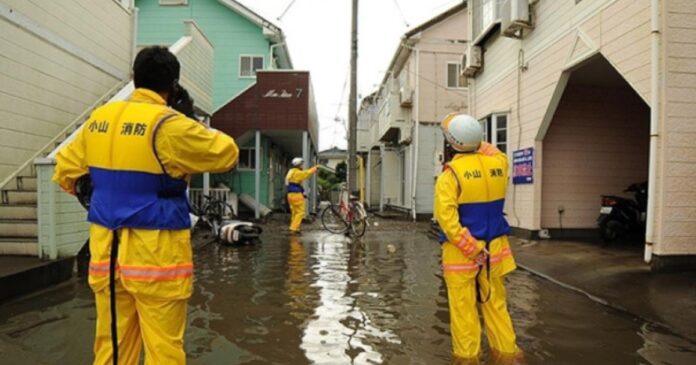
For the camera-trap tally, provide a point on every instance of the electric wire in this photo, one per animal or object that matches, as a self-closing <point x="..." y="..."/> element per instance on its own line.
<point x="401" y="12"/>
<point x="341" y="102"/>
<point x="286" y="10"/>
<point x="456" y="91"/>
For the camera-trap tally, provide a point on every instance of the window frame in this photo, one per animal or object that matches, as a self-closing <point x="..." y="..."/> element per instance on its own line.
<point x="489" y="124"/>
<point x="251" y="57"/>
<point x="252" y="152"/>
<point x="458" y="75"/>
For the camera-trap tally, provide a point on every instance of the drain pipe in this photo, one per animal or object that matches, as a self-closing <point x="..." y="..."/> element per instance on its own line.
<point x="654" y="128"/>
<point x="270" y="54"/>
<point x="415" y="140"/>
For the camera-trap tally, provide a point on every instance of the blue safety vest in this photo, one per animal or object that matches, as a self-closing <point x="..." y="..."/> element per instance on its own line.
<point x="131" y="187"/>
<point x="482" y="182"/>
<point x="295" y="188"/>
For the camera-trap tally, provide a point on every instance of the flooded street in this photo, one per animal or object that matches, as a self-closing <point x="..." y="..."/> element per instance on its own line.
<point x="322" y="299"/>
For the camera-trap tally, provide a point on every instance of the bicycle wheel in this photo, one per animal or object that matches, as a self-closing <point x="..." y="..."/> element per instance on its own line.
<point x="215" y="213"/>
<point x="332" y="221"/>
<point x="358" y="226"/>
<point x="359" y="223"/>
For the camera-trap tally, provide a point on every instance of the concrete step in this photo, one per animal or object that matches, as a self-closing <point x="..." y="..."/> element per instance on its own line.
<point x="32" y="274"/>
<point x="18" y="228"/>
<point x="26" y="183"/>
<point x="30" y="170"/>
<point x="17" y="211"/>
<point x="19" y="246"/>
<point x="19" y="197"/>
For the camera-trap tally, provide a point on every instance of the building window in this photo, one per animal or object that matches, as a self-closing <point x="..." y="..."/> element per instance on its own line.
<point x="455" y="79"/>
<point x="173" y="2"/>
<point x="495" y="128"/>
<point x="247" y="158"/>
<point x="486" y="13"/>
<point x="248" y="65"/>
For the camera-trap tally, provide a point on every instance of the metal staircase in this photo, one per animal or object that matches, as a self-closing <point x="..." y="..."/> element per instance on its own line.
<point x="19" y="197"/>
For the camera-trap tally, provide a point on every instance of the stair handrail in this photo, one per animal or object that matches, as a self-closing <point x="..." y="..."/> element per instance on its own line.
<point x="62" y="134"/>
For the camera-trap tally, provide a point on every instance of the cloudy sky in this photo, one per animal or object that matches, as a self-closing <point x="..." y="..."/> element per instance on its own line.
<point x="318" y="35"/>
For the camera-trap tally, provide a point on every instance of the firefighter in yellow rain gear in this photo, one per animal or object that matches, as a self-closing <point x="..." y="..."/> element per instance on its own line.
<point x="138" y="154"/>
<point x="296" y="198"/>
<point x="469" y="200"/>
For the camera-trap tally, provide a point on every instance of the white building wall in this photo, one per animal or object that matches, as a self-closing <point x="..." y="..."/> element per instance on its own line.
<point x="196" y="60"/>
<point x="564" y="34"/>
<point x="678" y="211"/>
<point x="429" y="166"/>
<point x="375" y="178"/>
<point x="57" y="59"/>
<point x="391" y="174"/>
<point x="440" y="45"/>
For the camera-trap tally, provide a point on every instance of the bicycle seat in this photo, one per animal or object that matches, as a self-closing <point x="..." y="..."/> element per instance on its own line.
<point x="354" y="198"/>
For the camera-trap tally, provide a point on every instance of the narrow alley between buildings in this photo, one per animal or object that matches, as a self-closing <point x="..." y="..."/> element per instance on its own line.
<point x="325" y="299"/>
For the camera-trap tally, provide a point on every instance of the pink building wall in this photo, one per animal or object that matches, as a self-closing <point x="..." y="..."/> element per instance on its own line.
<point x="597" y="144"/>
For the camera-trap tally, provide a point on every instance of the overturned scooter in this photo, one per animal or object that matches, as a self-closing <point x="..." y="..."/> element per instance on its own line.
<point x="238" y="232"/>
<point x="218" y="216"/>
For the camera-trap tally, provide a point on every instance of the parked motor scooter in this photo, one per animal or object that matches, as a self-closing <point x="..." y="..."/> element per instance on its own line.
<point x="620" y="216"/>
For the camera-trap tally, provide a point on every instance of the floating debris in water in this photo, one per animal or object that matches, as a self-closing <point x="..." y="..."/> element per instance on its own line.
<point x="391" y="248"/>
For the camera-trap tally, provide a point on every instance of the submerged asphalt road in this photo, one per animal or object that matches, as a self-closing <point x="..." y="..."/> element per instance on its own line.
<point x="323" y="299"/>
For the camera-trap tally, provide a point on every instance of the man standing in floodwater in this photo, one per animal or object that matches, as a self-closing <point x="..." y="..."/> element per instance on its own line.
<point x="138" y="154"/>
<point x="476" y="255"/>
<point x="296" y="196"/>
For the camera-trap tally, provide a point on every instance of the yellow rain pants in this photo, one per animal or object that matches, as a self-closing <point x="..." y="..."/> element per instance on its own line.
<point x="135" y="143"/>
<point x="469" y="200"/>
<point x="461" y="276"/>
<point x="296" y="200"/>
<point x="154" y="282"/>
<point x="297" y="210"/>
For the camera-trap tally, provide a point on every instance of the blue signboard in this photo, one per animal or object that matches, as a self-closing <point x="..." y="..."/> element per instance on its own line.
<point x="523" y="166"/>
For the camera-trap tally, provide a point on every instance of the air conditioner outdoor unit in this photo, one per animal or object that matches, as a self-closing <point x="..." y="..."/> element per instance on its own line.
<point x="515" y="18"/>
<point x="406" y="96"/>
<point x="472" y="61"/>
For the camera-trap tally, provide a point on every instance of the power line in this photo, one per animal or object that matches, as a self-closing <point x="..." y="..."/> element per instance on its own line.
<point x="403" y="17"/>
<point x="437" y="83"/>
<point x="286" y="10"/>
<point x="343" y="94"/>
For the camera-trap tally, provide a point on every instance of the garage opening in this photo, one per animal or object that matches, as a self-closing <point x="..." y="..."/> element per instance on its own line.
<point x="597" y="144"/>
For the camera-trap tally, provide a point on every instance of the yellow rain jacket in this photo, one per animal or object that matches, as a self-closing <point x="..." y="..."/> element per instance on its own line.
<point x="469" y="200"/>
<point x="293" y="181"/>
<point x="139" y="153"/>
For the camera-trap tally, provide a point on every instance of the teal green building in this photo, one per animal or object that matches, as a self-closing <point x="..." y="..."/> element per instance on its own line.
<point x="243" y="40"/>
<point x="244" y="43"/>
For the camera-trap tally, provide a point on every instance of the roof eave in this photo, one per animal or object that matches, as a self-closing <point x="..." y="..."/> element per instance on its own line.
<point x="251" y="15"/>
<point x="412" y="36"/>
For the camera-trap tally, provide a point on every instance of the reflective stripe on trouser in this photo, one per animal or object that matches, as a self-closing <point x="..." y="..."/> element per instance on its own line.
<point x="465" y="324"/>
<point x="460" y="275"/>
<point x="154" y="279"/>
<point x="158" y="323"/>
<point x="297" y="210"/>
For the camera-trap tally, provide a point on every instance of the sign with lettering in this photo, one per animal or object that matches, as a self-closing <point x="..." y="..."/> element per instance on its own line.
<point x="523" y="166"/>
<point x="283" y="94"/>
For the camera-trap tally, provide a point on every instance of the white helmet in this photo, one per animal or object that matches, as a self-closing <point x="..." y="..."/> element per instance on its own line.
<point x="463" y="132"/>
<point x="297" y="161"/>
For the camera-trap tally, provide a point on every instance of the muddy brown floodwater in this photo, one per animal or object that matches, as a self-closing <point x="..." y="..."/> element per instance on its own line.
<point x="323" y="299"/>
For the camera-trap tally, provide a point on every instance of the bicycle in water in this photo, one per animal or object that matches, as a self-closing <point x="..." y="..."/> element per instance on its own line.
<point x="348" y="216"/>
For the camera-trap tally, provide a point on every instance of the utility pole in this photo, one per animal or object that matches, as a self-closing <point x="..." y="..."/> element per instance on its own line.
<point x="352" y="104"/>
